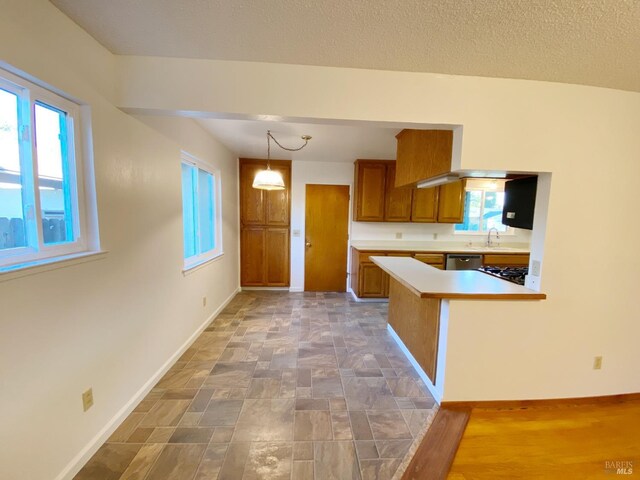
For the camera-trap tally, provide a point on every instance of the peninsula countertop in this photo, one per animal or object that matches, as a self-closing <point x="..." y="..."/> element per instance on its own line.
<point x="429" y="282"/>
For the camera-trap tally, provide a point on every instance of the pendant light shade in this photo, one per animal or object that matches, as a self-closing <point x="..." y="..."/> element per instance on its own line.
<point x="269" y="179"/>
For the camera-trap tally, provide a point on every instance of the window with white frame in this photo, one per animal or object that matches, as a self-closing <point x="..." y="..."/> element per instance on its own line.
<point x="201" y="212"/>
<point x="41" y="182"/>
<point x="483" y="205"/>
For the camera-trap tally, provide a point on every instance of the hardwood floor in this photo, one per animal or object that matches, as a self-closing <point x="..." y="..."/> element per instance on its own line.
<point x="563" y="441"/>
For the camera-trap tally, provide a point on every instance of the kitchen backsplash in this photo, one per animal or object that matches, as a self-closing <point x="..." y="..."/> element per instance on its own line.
<point x="426" y="232"/>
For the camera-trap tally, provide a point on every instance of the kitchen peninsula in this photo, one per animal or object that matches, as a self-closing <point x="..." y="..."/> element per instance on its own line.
<point x="419" y="296"/>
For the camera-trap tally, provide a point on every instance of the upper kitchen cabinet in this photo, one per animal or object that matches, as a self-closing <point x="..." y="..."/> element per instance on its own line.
<point x="375" y="199"/>
<point x="424" y="205"/>
<point x="451" y="202"/>
<point x="397" y="206"/>
<point x="263" y="207"/>
<point x="370" y="184"/>
<point x="422" y="154"/>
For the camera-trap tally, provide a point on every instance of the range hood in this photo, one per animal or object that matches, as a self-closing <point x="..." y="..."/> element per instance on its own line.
<point x="520" y="202"/>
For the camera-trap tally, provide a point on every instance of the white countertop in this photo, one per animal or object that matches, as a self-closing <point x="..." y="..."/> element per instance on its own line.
<point x="444" y="247"/>
<point x="429" y="282"/>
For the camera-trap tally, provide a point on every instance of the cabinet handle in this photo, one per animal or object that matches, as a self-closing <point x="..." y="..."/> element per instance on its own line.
<point x="308" y="244"/>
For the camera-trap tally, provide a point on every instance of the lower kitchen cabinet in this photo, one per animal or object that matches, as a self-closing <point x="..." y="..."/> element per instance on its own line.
<point x="372" y="281"/>
<point x="369" y="281"/>
<point x="264" y="257"/>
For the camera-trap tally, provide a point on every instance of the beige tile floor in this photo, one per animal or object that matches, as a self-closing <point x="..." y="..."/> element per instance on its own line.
<point x="279" y="386"/>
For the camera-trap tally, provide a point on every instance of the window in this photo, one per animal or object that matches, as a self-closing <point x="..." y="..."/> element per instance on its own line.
<point x="483" y="204"/>
<point x="200" y="212"/>
<point x="41" y="212"/>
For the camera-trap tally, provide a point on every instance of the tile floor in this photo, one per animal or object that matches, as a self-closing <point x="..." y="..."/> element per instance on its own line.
<point x="279" y="386"/>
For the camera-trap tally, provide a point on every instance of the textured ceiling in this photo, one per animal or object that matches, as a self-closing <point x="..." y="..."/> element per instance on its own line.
<point x="591" y="42"/>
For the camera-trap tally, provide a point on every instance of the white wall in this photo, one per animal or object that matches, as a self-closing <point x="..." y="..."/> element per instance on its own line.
<point x="112" y="323"/>
<point x="586" y="137"/>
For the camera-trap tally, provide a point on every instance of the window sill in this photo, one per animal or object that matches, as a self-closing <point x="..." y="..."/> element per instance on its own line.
<point x="187" y="270"/>
<point x="510" y="233"/>
<point x="39" y="266"/>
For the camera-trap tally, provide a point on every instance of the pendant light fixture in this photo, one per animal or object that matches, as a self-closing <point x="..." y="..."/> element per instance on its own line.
<point x="270" y="179"/>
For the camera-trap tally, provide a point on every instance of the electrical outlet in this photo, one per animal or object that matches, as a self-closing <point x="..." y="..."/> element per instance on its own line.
<point x="535" y="268"/>
<point x="435" y="236"/>
<point x="398" y="235"/>
<point x="204" y="301"/>
<point x="87" y="399"/>
<point x="597" y="362"/>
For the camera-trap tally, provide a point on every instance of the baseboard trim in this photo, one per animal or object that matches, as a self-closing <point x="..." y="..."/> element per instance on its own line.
<point x="543" y="403"/>
<point x="296" y="289"/>
<point x="74" y="466"/>
<point x="367" y="300"/>
<point x="275" y="289"/>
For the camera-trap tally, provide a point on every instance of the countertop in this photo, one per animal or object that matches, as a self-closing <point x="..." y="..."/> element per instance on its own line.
<point x="429" y="282"/>
<point x="444" y="247"/>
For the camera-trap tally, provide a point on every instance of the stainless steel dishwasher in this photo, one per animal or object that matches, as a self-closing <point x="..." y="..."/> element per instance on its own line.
<point x="457" y="261"/>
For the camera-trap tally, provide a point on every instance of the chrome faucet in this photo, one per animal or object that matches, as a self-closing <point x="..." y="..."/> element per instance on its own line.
<point x="489" y="242"/>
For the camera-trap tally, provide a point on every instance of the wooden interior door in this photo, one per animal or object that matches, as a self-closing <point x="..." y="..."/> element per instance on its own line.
<point x="326" y="238"/>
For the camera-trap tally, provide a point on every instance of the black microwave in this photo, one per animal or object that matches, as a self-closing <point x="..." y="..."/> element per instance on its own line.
<point x="520" y="202"/>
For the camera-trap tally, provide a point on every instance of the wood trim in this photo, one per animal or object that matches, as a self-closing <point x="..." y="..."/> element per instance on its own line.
<point x="485" y="296"/>
<point x="434" y="457"/>
<point x="543" y="403"/>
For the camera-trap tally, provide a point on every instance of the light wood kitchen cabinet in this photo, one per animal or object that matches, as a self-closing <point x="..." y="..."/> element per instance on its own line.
<point x="434" y="259"/>
<point x="367" y="279"/>
<point x="422" y="154"/>
<point x="451" y="202"/>
<point x="506" y="260"/>
<point x="424" y="205"/>
<point x="264" y="227"/>
<point x="277" y="258"/>
<point x="369" y="190"/>
<point x="252" y="256"/>
<point x="252" y="200"/>
<point x="397" y="206"/>
<point x="375" y="199"/>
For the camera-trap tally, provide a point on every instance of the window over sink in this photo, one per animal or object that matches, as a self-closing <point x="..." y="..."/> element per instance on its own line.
<point x="483" y="204"/>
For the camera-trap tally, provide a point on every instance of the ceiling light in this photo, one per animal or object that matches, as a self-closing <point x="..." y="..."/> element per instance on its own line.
<point x="270" y="179"/>
<point x="434" y="182"/>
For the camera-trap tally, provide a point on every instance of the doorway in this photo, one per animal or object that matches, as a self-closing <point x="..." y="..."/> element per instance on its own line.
<point x="326" y="238"/>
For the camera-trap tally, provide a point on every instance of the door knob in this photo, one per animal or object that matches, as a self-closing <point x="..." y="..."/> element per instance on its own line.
<point x="308" y="244"/>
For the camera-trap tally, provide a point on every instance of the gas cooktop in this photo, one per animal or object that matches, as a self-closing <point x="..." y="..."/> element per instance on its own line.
<point x="511" y="274"/>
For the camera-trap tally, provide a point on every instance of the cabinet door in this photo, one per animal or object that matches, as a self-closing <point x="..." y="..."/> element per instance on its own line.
<point x="369" y="192"/>
<point x="252" y="252"/>
<point x="277" y="259"/>
<point x="372" y="281"/>
<point x="397" y="206"/>
<point x="277" y="210"/>
<point x="252" y="200"/>
<point x="451" y="202"/>
<point x="424" y="205"/>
